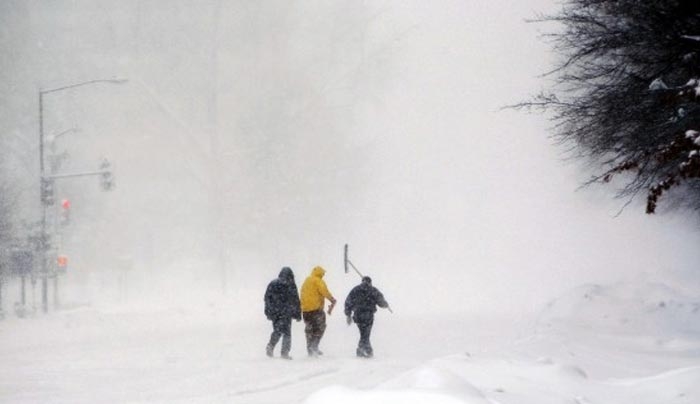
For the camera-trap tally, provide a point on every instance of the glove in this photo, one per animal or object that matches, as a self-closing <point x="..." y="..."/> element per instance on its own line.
<point x="349" y="319"/>
<point x="330" y="308"/>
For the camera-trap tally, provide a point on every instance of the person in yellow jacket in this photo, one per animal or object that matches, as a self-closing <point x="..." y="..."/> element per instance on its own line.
<point x="313" y="294"/>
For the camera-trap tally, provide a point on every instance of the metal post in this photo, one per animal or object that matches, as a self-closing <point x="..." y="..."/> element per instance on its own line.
<point x="33" y="281"/>
<point x="56" y="302"/>
<point x="1" y="285"/>
<point x="44" y="236"/>
<point x="24" y="291"/>
<point x="41" y="132"/>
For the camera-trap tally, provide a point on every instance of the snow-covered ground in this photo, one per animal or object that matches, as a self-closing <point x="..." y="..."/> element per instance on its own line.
<point x="622" y="343"/>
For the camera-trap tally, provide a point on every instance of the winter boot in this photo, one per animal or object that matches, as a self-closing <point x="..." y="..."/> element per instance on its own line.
<point x="268" y="350"/>
<point x="313" y="346"/>
<point x="363" y="353"/>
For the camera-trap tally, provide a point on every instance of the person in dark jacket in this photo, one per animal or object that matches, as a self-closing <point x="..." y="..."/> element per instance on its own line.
<point x="281" y="306"/>
<point x="360" y="306"/>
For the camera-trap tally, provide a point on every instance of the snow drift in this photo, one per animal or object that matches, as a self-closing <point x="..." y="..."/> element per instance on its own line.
<point x="629" y="342"/>
<point x="645" y="308"/>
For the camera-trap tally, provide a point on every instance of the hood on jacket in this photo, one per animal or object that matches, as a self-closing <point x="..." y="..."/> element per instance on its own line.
<point x="318" y="272"/>
<point x="287" y="275"/>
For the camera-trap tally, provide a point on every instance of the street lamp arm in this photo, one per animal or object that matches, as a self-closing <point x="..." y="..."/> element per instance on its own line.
<point x="56" y="136"/>
<point x="56" y="89"/>
<point x="77" y="174"/>
<point x="53" y="90"/>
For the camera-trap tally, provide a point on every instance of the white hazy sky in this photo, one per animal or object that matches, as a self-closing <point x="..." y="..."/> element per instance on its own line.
<point x="276" y="132"/>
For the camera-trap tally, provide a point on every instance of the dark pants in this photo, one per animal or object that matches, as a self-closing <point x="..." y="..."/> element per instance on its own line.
<point x="281" y="327"/>
<point x="315" y="327"/>
<point x="364" y="321"/>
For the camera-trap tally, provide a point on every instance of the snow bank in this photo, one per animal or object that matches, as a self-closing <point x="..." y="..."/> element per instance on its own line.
<point x="678" y="385"/>
<point x="511" y="380"/>
<point x="426" y="384"/>
<point x="635" y="342"/>
<point x="342" y="395"/>
<point x="645" y="308"/>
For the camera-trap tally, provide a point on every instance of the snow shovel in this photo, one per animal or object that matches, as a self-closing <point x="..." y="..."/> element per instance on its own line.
<point x="348" y="263"/>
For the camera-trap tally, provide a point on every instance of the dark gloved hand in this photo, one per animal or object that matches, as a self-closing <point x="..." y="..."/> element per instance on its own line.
<point x="349" y="319"/>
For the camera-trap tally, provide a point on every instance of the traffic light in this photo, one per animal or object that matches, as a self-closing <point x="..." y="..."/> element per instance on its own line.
<point x="65" y="211"/>
<point x="106" y="177"/>
<point x="62" y="263"/>
<point x="47" y="191"/>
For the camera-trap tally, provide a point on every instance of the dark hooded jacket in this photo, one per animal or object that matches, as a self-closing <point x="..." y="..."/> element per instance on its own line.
<point x="364" y="299"/>
<point x="282" y="297"/>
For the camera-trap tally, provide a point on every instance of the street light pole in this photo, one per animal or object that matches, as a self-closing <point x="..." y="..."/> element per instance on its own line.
<point x="43" y="178"/>
<point x="43" y="236"/>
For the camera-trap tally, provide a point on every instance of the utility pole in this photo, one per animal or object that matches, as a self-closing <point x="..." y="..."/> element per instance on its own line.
<point x="215" y="186"/>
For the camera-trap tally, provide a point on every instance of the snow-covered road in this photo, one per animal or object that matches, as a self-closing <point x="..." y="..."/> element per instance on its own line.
<point x="178" y="355"/>
<point x="212" y="354"/>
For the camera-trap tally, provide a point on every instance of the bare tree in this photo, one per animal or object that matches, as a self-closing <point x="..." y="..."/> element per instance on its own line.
<point x="626" y="92"/>
<point x="8" y="209"/>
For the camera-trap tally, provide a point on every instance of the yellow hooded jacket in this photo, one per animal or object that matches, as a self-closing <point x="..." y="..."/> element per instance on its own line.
<point x="314" y="290"/>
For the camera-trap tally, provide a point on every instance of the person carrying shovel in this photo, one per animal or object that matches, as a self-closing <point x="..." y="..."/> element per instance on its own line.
<point x="360" y="306"/>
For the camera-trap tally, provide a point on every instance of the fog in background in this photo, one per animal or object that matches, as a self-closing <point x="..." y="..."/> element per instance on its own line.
<point x="253" y="135"/>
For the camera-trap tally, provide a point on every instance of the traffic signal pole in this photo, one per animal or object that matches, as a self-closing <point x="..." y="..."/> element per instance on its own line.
<point x="45" y="202"/>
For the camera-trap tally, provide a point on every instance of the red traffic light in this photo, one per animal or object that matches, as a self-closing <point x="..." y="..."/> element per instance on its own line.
<point x="65" y="204"/>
